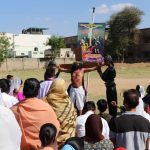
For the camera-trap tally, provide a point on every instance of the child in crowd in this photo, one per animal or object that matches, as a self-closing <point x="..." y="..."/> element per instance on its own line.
<point x="73" y="143"/>
<point x="48" y="136"/>
<point x="102" y="106"/>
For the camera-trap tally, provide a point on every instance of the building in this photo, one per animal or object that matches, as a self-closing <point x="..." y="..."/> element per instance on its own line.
<point x="144" y="45"/>
<point x="66" y="53"/>
<point x="31" y="43"/>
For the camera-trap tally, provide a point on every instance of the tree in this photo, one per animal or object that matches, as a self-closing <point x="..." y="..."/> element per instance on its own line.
<point x="4" y="46"/>
<point x="56" y="42"/>
<point x="122" y="27"/>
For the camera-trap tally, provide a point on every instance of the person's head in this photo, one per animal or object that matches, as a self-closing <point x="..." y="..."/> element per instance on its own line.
<point x="9" y="77"/>
<point x="31" y="88"/>
<point x="5" y="85"/>
<point x="102" y="105"/>
<point x="50" y="72"/>
<point x="52" y="63"/>
<point x="140" y="90"/>
<point x="89" y="105"/>
<point x="58" y="87"/>
<point x="108" y="60"/>
<point x="75" y="143"/>
<point x="76" y="66"/>
<point x="93" y="128"/>
<point x="148" y="89"/>
<point x="47" y="134"/>
<point x="131" y="99"/>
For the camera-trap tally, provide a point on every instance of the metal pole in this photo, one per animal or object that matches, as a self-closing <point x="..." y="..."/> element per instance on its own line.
<point x="93" y="14"/>
<point x="88" y="75"/>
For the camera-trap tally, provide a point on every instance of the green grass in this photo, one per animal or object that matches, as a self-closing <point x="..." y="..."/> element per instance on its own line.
<point x="129" y="72"/>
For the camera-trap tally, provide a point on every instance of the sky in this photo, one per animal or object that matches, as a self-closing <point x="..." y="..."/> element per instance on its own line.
<point x="61" y="17"/>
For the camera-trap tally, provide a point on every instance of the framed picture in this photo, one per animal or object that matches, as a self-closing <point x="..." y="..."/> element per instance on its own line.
<point x="91" y="42"/>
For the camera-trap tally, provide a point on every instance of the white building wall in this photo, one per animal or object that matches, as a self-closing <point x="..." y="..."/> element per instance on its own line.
<point x="23" y="43"/>
<point x="66" y="53"/>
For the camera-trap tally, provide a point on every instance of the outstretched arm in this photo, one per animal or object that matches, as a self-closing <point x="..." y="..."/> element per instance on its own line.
<point x="61" y="69"/>
<point x="90" y="69"/>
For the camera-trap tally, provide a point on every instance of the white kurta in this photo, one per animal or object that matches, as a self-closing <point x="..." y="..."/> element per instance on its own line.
<point x="8" y="100"/>
<point x="10" y="132"/>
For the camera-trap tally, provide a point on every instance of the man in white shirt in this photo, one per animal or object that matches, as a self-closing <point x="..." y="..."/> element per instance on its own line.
<point x="6" y="99"/>
<point x="89" y="108"/>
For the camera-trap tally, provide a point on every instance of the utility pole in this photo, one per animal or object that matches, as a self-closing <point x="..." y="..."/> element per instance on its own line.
<point x="93" y="14"/>
<point x="88" y="75"/>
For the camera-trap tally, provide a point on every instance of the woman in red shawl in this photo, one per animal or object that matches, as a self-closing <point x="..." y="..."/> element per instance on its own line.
<point x="93" y="135"/>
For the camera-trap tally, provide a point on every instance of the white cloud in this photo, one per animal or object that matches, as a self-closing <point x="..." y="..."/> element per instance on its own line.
<point x="103" y="9"/>
<point x="120" y="6"/>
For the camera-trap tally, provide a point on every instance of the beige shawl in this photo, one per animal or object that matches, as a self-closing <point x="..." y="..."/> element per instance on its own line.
<point x="64" y="109"/>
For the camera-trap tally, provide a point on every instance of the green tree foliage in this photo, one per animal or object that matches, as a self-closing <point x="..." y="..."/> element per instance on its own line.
<point x="122" y="27"/>
<point x="56" y="43"/>
<point x="4" y="46"/>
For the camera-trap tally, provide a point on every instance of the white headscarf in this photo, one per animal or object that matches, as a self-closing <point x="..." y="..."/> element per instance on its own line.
<point x="14" y="84"/>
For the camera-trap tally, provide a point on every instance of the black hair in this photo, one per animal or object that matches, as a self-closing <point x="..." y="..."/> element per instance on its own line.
<point x="50" y="72"/>
<point x="102" y="105"/>
<point x="131" y="98"/>
<point x="31" y="88"/>
<point x="9" y="76"/>
<point x="76" y="142"/>
<point x="90" y="105"/>
<point x="52" y="64"/>
<point x="47" y="134"/>
<point x="21" y="81"/>
<point x="148" y="89"/>
<point x="138" y="90"/>
<point x="5" y="85"/>
<point x="108" y="59"/>
<point x="76" y="65"/>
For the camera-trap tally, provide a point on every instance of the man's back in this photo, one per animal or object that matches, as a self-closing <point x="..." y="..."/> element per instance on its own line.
<point x="80" y="123"/>
<point x="130" y="131"/>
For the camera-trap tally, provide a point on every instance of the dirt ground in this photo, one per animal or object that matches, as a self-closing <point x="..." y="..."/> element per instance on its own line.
<point x="97" y="87"/>
<point x="128" y="76"/>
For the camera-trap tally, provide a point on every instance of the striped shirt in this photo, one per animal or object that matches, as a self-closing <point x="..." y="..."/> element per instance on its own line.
<point x="130" y="131"/>
<point x="44" y="88"/>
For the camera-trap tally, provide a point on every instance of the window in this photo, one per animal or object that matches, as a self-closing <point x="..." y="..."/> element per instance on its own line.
<point x="36" y="49"/>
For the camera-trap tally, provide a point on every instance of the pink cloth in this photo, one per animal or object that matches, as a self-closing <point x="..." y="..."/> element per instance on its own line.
<point x="20" y="96"/>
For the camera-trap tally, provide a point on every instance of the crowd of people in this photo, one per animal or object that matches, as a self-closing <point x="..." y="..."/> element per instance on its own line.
<point x="47" y="115"/>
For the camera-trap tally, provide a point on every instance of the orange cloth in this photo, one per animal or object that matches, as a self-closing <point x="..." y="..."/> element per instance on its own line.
<point x="31" y="114"/>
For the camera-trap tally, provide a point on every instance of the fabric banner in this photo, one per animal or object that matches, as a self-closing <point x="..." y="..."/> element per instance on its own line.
<point x="91" y="41"/>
